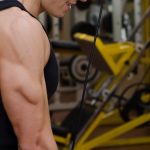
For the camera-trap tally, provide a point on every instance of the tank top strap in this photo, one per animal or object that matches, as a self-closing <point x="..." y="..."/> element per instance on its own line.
<point x="13" y="3"/>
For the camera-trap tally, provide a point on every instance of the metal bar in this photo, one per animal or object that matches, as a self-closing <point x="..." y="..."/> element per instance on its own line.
<point x="115" y="132"/>
<point x="117" y="81"/>
<point x="92" y="128"/>
<point x="127" y="142"/>
<point x="117" y="19"/>
<point x="144" y="17"/>
<point x="137" y="18"/>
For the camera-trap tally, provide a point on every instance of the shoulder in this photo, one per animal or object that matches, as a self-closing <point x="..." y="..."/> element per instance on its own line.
<point x="26" y="30"/>
<point x="25" y="25"/>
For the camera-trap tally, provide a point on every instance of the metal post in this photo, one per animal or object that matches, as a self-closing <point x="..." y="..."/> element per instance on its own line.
<point x="117" y="19"/>
<point x="137" y="18"/>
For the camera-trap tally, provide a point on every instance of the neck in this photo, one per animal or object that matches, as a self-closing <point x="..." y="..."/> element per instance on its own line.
<point x="33" y="6"/>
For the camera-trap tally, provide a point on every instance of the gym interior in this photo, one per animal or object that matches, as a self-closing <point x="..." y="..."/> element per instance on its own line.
<point x="103" y="98"/>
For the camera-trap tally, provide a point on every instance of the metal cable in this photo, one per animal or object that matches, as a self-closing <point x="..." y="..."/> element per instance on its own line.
<point x="91" y="59"/>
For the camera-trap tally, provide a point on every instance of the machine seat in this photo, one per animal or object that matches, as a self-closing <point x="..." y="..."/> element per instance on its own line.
<point x="65" y="45"/>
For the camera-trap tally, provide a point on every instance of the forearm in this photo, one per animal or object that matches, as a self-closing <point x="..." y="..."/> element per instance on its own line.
<point x="34" y="131"/>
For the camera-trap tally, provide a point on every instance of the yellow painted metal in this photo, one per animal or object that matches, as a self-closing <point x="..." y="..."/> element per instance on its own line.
<point x="145" y="5"/>
<point x="145" y="98"/>
<point x="103" y="77"/>
<point x="83" y="143"/>
<point x="91" y="128"/>
<point x="113" y="119"/>
<point x="120" y="77"/>
<point x="114" y="54"/>
<point x="145" y="60"/>
<point x="95" y="142"/>
<point x="127" y="142"/>
<point x="62" y="140"/>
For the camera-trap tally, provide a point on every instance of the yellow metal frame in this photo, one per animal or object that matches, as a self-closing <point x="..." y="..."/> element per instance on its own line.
<point x="114" y="54"/>
<point x="124" y="52"/>
<point x="146" y="59"/>
<point x="110" y="138"/>
<point x="145" y="5"/>
<point x="63" y="140"/>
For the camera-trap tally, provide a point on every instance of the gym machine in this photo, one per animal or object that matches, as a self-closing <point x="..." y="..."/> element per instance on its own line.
<point x="117" y="61"/>
<point x="125" y="59"/>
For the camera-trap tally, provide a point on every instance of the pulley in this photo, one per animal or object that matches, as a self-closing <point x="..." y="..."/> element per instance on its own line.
<point x="77" y="68"/>
<point x="131" y="111"/>
<point x="137" y="104"/>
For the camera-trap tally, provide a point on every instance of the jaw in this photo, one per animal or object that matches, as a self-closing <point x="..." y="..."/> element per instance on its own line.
<point x="55" y="9"/>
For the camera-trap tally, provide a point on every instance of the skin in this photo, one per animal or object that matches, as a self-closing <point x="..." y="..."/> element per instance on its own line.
<point x="24" y="51"/>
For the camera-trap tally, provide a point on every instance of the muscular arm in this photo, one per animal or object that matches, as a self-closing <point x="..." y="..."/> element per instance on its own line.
<point x="23" y="87"/>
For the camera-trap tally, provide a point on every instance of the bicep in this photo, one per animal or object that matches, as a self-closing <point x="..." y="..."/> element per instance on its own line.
<point x="22" y="64"/>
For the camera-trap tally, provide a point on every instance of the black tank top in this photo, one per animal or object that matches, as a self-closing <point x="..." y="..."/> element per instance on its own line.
<point x="8" y="140"/>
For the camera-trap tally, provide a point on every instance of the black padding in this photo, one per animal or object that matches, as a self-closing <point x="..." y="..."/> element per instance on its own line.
<point x="83" y="27"/>
<point x="60" y="131"/>
<point x="72" y="122"/>
<point x="106" y="25"/>
<point x="66" y="45"/>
